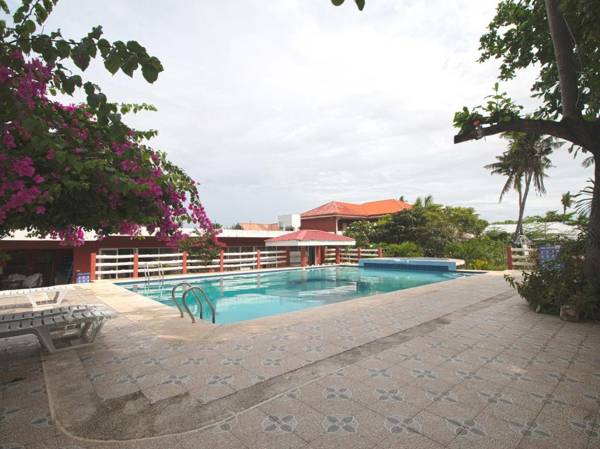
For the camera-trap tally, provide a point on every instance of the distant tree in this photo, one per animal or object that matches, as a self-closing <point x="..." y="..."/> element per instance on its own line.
<point x="431" y="226"/>
<point x="523" y="164"/>
<point x="361" y="231"/>
<point x="465" y="220"/>
<point x="567" y="201"/>
<point x="426" y="201"/>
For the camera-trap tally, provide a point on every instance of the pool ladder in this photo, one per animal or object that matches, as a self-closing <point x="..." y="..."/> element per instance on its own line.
<point x="194" y="291"/>
<point x="160" y="273"/>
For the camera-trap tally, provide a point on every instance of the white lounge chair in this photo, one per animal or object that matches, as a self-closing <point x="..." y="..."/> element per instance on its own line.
<point x="50" y="296"/>
<point x="20" y="316"/>
<point x="83" y="323"/>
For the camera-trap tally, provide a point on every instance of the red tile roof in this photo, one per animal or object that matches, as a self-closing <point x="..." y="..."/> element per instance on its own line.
<point x="369" y="209"/>
<point x="311" y="235"/>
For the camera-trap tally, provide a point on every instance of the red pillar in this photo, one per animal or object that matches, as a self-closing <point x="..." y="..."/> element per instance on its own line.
<point x="338" y="255"/>
<point x="136" y="264"/>
<point x="184" y="262"/>
<point x="303" y="258"/>
<point x="222" y="260"/>
<point x="509" y="260"/>
<point x="92" y="267"/>
<point x="380" y="252"/>
<point x="258" y="259"/>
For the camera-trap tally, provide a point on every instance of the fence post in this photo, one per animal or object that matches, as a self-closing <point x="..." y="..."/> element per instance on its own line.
<point x="92" y="267"/>
<point x="136" y="264"/>
<point x="379" y="252"/>
<point x="509" y="259"/>
<point x="357" y="254"/>
<point x="258" y="259"/>
<point x="222" y="260"/>
<point x="184" y="258"/>
<point x="338" y="255"/>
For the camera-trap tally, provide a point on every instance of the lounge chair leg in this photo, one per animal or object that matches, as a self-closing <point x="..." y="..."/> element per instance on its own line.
<point x="95" y="331"/>
<point x="85" y="328"/>
<point x="45" y="339"/>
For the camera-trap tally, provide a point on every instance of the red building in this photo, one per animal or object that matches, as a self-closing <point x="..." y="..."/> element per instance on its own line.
<point x="123" y="257"/>
<point x="60" y="264"/>
<point x="335" y="216"/>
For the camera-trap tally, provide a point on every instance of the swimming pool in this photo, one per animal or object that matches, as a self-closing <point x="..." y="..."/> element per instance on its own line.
<point x="249" y="296"/>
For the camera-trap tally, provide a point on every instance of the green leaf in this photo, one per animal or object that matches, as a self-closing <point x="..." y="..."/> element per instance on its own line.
<point x="135" y="47"/>
<point x="112" y="62"/>
<point x="150" y="74"/>
<point x="29" y="26"/>
<point x="130" y="65"/>
<point x="96" y="32"/>
<point x="4" y="7"/>
<point x="40" y="14"/>
<point x="360" y="4"/>
<point x="63" y="48"/>
<point x="103" y="46"/>
<point x="89" y="88"/>
<point x="80" y="58"/>
<point x="337" y="2"/>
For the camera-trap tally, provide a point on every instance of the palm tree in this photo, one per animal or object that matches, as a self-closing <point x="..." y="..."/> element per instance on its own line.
<point x="424" y="202"/>
<point x="567" y="202"/>
<point x="523" y="163"/>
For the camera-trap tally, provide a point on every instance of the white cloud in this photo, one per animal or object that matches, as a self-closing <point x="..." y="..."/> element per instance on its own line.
<point x="276" y="107"/>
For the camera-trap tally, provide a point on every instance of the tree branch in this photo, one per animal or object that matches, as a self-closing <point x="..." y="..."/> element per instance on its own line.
<point x="531" y="126"/>
<point x="565" y="59"/>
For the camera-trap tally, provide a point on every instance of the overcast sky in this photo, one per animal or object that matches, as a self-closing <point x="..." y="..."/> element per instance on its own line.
<point x="277" y="107"/>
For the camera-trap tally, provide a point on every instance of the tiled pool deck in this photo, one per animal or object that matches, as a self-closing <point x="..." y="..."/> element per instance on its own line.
<point x="461" y="364"/>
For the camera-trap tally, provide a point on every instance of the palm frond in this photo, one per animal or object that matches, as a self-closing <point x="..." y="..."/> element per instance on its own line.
<point x="583" y="205"/>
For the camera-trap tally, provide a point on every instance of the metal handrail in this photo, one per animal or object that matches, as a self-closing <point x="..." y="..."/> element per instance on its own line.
<point x="174" y="298"/>
<point x="199" y="302"/>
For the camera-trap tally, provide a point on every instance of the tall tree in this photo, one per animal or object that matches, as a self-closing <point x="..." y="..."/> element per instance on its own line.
<point x="561" y="39"/>
<point x="69" y="168"/>
<point x="566" y="200"/>
<point x="523" y="164"/>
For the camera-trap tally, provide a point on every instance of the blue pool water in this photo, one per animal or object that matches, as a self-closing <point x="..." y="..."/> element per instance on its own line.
<point x="249" y="296"/>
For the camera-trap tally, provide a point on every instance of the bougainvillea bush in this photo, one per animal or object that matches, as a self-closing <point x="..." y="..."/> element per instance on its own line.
<point x="67" y="168"/>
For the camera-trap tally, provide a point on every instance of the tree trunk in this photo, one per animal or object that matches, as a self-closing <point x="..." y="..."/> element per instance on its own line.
<point x="522" y="201"/>
<point x="592" y="254"/>
<point x="565" y="59"/>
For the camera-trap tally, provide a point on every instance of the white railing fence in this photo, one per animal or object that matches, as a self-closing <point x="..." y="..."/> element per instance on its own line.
<point x="118" y="266"/>
<point x="521" y="258"/>
<point x="112" y="266"/>
<point x="353" y="255"/>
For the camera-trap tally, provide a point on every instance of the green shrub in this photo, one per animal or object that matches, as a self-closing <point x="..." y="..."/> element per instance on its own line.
<point x="559" y="282"/>
<point x="481" y="253"/>
<point x="404" y="249"/>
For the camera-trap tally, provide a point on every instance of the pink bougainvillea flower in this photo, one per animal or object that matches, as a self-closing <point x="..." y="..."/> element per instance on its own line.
<point x="40" y="210"/>
<point x="8" y="140"/>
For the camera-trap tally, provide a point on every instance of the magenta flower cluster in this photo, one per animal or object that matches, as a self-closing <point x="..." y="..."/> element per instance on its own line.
<point x="33" y="175"/>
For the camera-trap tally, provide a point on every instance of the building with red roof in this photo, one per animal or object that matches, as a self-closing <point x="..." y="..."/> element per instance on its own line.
<point x="335" y="216"/>
<point x="309" y="246"/>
